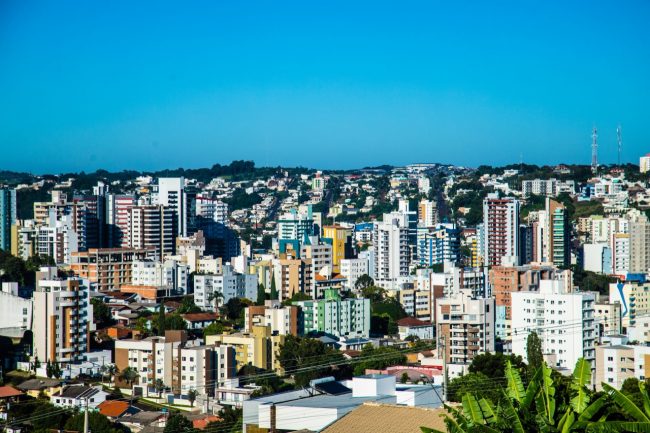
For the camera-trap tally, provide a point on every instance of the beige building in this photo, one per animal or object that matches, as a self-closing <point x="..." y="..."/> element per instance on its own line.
<point x="62" y="318"/>
<point x="607" y="318"/>
<point x="282" y="320"/>
<point x="109" y="268"/>
<point x="639" y="244"/>
<point x="180" y="364"/>
<point x="292" y="276"/>
<point x="259" y="347"/>
<point x="466" y="326"/>
<point x="616" y="363"/>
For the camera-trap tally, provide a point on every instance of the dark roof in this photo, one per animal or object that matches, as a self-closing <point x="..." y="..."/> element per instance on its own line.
<point x="412" y="321"/>
<point x="143" y="418"/>
<point x="77" y="391"/>
<point x="38" y="384"/>
<point x="332" y="388"/>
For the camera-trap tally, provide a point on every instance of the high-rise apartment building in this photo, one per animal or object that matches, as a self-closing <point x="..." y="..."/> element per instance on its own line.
<point x="7" y="216"/>
<point x="639" y="244"/>
<point x="501" y="227"/>
<point x="427" y="213"/>
<point x="171" y="193"/>
<point x="153" y="227"/>
<point x="62" y="318"/>
<point x="352" y="269"/>
<point x="340" y="239"/>
<point x="466" y="327"/>
<point x="117" y="219"/>
<point x="391" y="248"/>
<point x="438" y="244"/>
<point x="564" y="322"/>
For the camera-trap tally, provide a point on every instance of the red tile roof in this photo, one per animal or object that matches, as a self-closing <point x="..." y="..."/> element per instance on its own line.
<point x="8" y="391"/>
<point x="203" y="422"/>
<point x="113" y="408"/>
<point x="200" y="317"/>
<point x="412" y="321"/>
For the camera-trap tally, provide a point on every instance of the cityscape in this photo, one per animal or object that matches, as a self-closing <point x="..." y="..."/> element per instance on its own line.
<point x="300" y="218"/>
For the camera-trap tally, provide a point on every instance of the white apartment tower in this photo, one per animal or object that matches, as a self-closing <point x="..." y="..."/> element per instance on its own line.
<point x="390" y="238"/>
<point x="171" y="193"/>
<point x="564" y="321"/>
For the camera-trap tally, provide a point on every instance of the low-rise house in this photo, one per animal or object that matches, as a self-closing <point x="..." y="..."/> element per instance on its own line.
<point x="9" y="394"/>
<point x="78" y="396"/>
<point x="410" y="326"/>
<point x="34" y="387"/>
<point x="114" y="409"/>
<point x="199" y="320"/>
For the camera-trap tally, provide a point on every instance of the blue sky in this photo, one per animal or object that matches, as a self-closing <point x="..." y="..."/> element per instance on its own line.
<point x="149" y="85"/>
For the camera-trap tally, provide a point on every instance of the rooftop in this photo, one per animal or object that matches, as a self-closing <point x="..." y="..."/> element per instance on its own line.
<point x="386" y="418"/>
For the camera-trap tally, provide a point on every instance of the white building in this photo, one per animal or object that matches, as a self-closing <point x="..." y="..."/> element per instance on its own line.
<point x="210" y="289"/>
<point x="171" y="274"/>
<point x="597" y="258"/>
<point x="390" y="240"/>
<point x="15" y="312"/>
<point x="563" y="321"/>
<point x="77" y="396"/>
<point x="352" y="269"/>
<point x="171" y="193"/>
<point x="547" y="187"/>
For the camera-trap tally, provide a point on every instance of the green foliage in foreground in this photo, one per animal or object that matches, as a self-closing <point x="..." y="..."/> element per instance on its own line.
<point x="542" y="406"/>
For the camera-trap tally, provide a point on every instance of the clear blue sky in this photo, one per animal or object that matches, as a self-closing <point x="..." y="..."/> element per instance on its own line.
<point x="161" y="84"/>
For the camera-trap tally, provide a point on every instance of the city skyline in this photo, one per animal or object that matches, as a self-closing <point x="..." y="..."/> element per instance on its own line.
<point x="320" y="85"/>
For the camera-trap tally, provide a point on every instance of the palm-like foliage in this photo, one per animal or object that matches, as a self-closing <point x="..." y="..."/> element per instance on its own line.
<point x="129" y="375"/>
<point x="538" y="408"/>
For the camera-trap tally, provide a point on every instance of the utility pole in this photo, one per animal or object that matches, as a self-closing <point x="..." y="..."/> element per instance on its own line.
<point x="86" y="417"/>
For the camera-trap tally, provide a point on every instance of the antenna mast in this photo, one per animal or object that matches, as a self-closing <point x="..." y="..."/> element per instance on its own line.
<point x="594" y="150"/>
<point x="620" y="142"/>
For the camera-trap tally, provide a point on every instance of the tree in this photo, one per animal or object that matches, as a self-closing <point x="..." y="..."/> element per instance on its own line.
<point x="534" y="352"/>
<point x="300" y="352"/>
<point x="129" y="375"/>
<point x="214" y="328"/>
<point x="297" y="297"/>
<point x="542" y="407"/>
<point x="493" y="365"/>
<point x="191" y="396"/>
<point x="177" y="423"/>
<point x="261" y="294"/>
<point x="160" y="328"/>
<point x="188" y="306"/>
<point x="97" y="423"/>
<point x="405" y="378"/>
<point x="101" y="312"/>
<point x="363" y="282"/>
<point x="378" y="358"/>
<point x="174" y="322"/>
<point x="274" y="290"/>
<point x="159" y="386"/>
<point x="231" y="421"/>
<point x="112" y="371"/>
